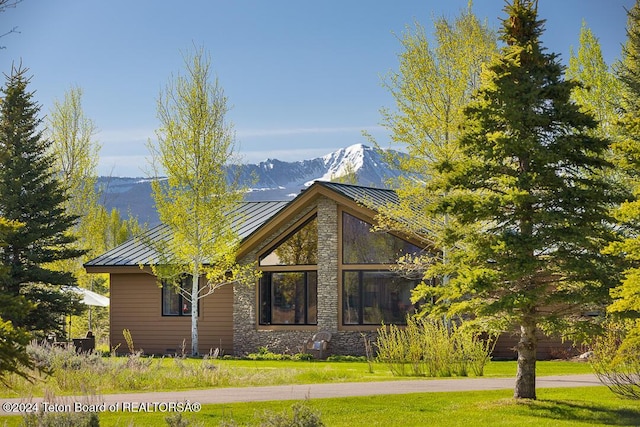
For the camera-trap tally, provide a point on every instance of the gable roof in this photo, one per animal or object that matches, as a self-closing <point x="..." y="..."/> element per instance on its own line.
<point x="134" y="252"/>
<point x="374" y="198"/>
<point x="254" y="219"/>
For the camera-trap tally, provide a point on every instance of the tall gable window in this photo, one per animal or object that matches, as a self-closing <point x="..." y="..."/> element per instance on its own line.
<point x="361" y="246"/>
<point x="299" y="248"/>
<point x="288" y="286"/>
<point x="372" y="294"/>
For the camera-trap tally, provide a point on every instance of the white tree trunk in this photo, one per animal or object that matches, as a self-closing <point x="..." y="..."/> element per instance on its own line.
<point x="194" y="312"/>
<point x="526" y="376"/>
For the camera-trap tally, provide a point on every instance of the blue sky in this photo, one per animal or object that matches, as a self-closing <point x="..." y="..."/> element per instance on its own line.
<point x="303" y="78"/>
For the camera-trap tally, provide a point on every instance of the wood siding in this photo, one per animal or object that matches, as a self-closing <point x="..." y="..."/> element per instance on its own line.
<point x="136" y="305"/>
<point x="549" y="348"/>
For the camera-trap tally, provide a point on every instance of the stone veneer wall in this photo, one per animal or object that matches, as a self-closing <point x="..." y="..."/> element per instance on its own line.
<point x="246" y="336"/>
<point x="327" y="265"/>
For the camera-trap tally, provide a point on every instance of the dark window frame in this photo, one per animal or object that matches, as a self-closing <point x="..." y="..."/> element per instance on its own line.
<point x="262" y="257"/>
<point x="363" y="266"/>
<point x="362" y="298"/>
<point x="170" y="288"/>
<point x="266" y="298"/>
<point x="384" y="238"/>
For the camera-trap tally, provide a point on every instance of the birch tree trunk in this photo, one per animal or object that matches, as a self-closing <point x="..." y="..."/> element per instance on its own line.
<point x="195" y="288"/>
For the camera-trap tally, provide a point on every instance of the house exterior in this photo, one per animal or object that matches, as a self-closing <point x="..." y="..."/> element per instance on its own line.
<point x="322" y="270"/>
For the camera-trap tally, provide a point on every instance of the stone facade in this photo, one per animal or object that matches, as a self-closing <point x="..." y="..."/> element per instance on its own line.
<point x="248" y="337"/>
<point x="327" y="265"/>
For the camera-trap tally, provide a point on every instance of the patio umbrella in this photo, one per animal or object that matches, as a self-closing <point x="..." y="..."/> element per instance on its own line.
<point x="90" y="297"/>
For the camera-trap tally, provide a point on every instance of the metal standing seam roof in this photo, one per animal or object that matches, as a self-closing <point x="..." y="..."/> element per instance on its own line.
<point x="249" y="216"/>
<point x="377" y="199"/>
<point x="374" y="198"/>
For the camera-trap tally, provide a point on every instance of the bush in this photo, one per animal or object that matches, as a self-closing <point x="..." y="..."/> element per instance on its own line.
<point x="61" y="419"/>
<point x="178" y="420"/>
<point x="341" y="358"/>
<point x="432" y="348"/>
<point x="265" y="354"/>
<point x="301" y="416"/>
<point x="616" y="359"/>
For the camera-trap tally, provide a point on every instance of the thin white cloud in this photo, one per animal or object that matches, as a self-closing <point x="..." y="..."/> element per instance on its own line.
<point x="120" y="135"/>
<point x="144" y="134"/>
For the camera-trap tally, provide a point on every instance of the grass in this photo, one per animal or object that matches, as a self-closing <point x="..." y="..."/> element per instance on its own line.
<point x="95" y="375"/>
<point x="554" y="407"/>
<point x="588" y="406"/>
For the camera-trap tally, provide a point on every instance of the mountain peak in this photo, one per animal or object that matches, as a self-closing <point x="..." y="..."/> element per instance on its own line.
<point x="271" y="179"/>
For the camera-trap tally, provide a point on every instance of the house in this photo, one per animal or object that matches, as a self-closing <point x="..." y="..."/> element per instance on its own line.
<point x="322" y="270"/>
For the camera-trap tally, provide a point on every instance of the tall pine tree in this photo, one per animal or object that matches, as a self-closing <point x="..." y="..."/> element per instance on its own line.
<point x="528" y="201"/>
<point x="31" y="195"/>
<point x="627" y="150"/>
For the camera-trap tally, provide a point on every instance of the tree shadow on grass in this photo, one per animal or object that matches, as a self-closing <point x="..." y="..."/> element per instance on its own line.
<point x="588" y="413"/>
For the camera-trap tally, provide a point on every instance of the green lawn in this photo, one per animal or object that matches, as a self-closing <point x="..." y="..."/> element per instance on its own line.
<point x="588" y="406"/>
<point x="579" y="406"/>
<point x="131" y="375"/>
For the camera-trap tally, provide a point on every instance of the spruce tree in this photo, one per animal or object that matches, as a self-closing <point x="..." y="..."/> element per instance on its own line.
<point x="627" y="155"/>
<point x="528" y="202"/>
<point x="31" y="195"/>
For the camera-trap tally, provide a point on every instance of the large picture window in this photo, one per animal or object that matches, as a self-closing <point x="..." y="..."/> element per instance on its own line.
<point x="173" y="302"/>
<point x="288" y="288"/>
<point x="372" y="294"/>
<point x="376" y="297"/>
<point x="289" y="298"/>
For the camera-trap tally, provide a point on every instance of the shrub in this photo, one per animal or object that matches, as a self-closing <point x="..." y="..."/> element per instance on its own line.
<point x="616" y="359"/>
<point x="61" y="419"/>
<point x="347" y="358"/>
<point x="265" y="354"/>
<point x="427" y="347"/>
<point x="178" y="420"/>
<point x="301" y="416"/>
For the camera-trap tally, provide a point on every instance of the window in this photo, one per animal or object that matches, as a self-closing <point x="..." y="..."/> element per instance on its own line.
<point x="289" y="298"/>
<point x="173" y="303"/>
<point x="288" y="293"/>
<point x="362" y="246"/>
<point x="299" y="248"/>
<point x="371" y="293"/>
<point x="376" y="297"/>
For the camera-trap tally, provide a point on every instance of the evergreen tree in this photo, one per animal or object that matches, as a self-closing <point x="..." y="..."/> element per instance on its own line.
<point x="13" y="340"/>
<point x="31" y="195"/>
<point x="627" y="149"/>
<point x="528" y="203"/>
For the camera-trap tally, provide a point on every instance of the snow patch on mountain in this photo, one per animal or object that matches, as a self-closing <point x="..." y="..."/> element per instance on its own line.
<point x="271" y="179"/>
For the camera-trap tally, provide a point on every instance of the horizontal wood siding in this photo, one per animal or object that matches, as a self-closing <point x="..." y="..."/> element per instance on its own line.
<point x="136" y="305"/>
<point x="548" y="348"/>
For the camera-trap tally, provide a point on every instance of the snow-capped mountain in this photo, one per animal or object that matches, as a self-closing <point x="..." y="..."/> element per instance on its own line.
<point x="271" y="179"/>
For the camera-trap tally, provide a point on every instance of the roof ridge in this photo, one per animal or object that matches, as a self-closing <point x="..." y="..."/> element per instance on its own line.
<point x="352" y="185"/>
